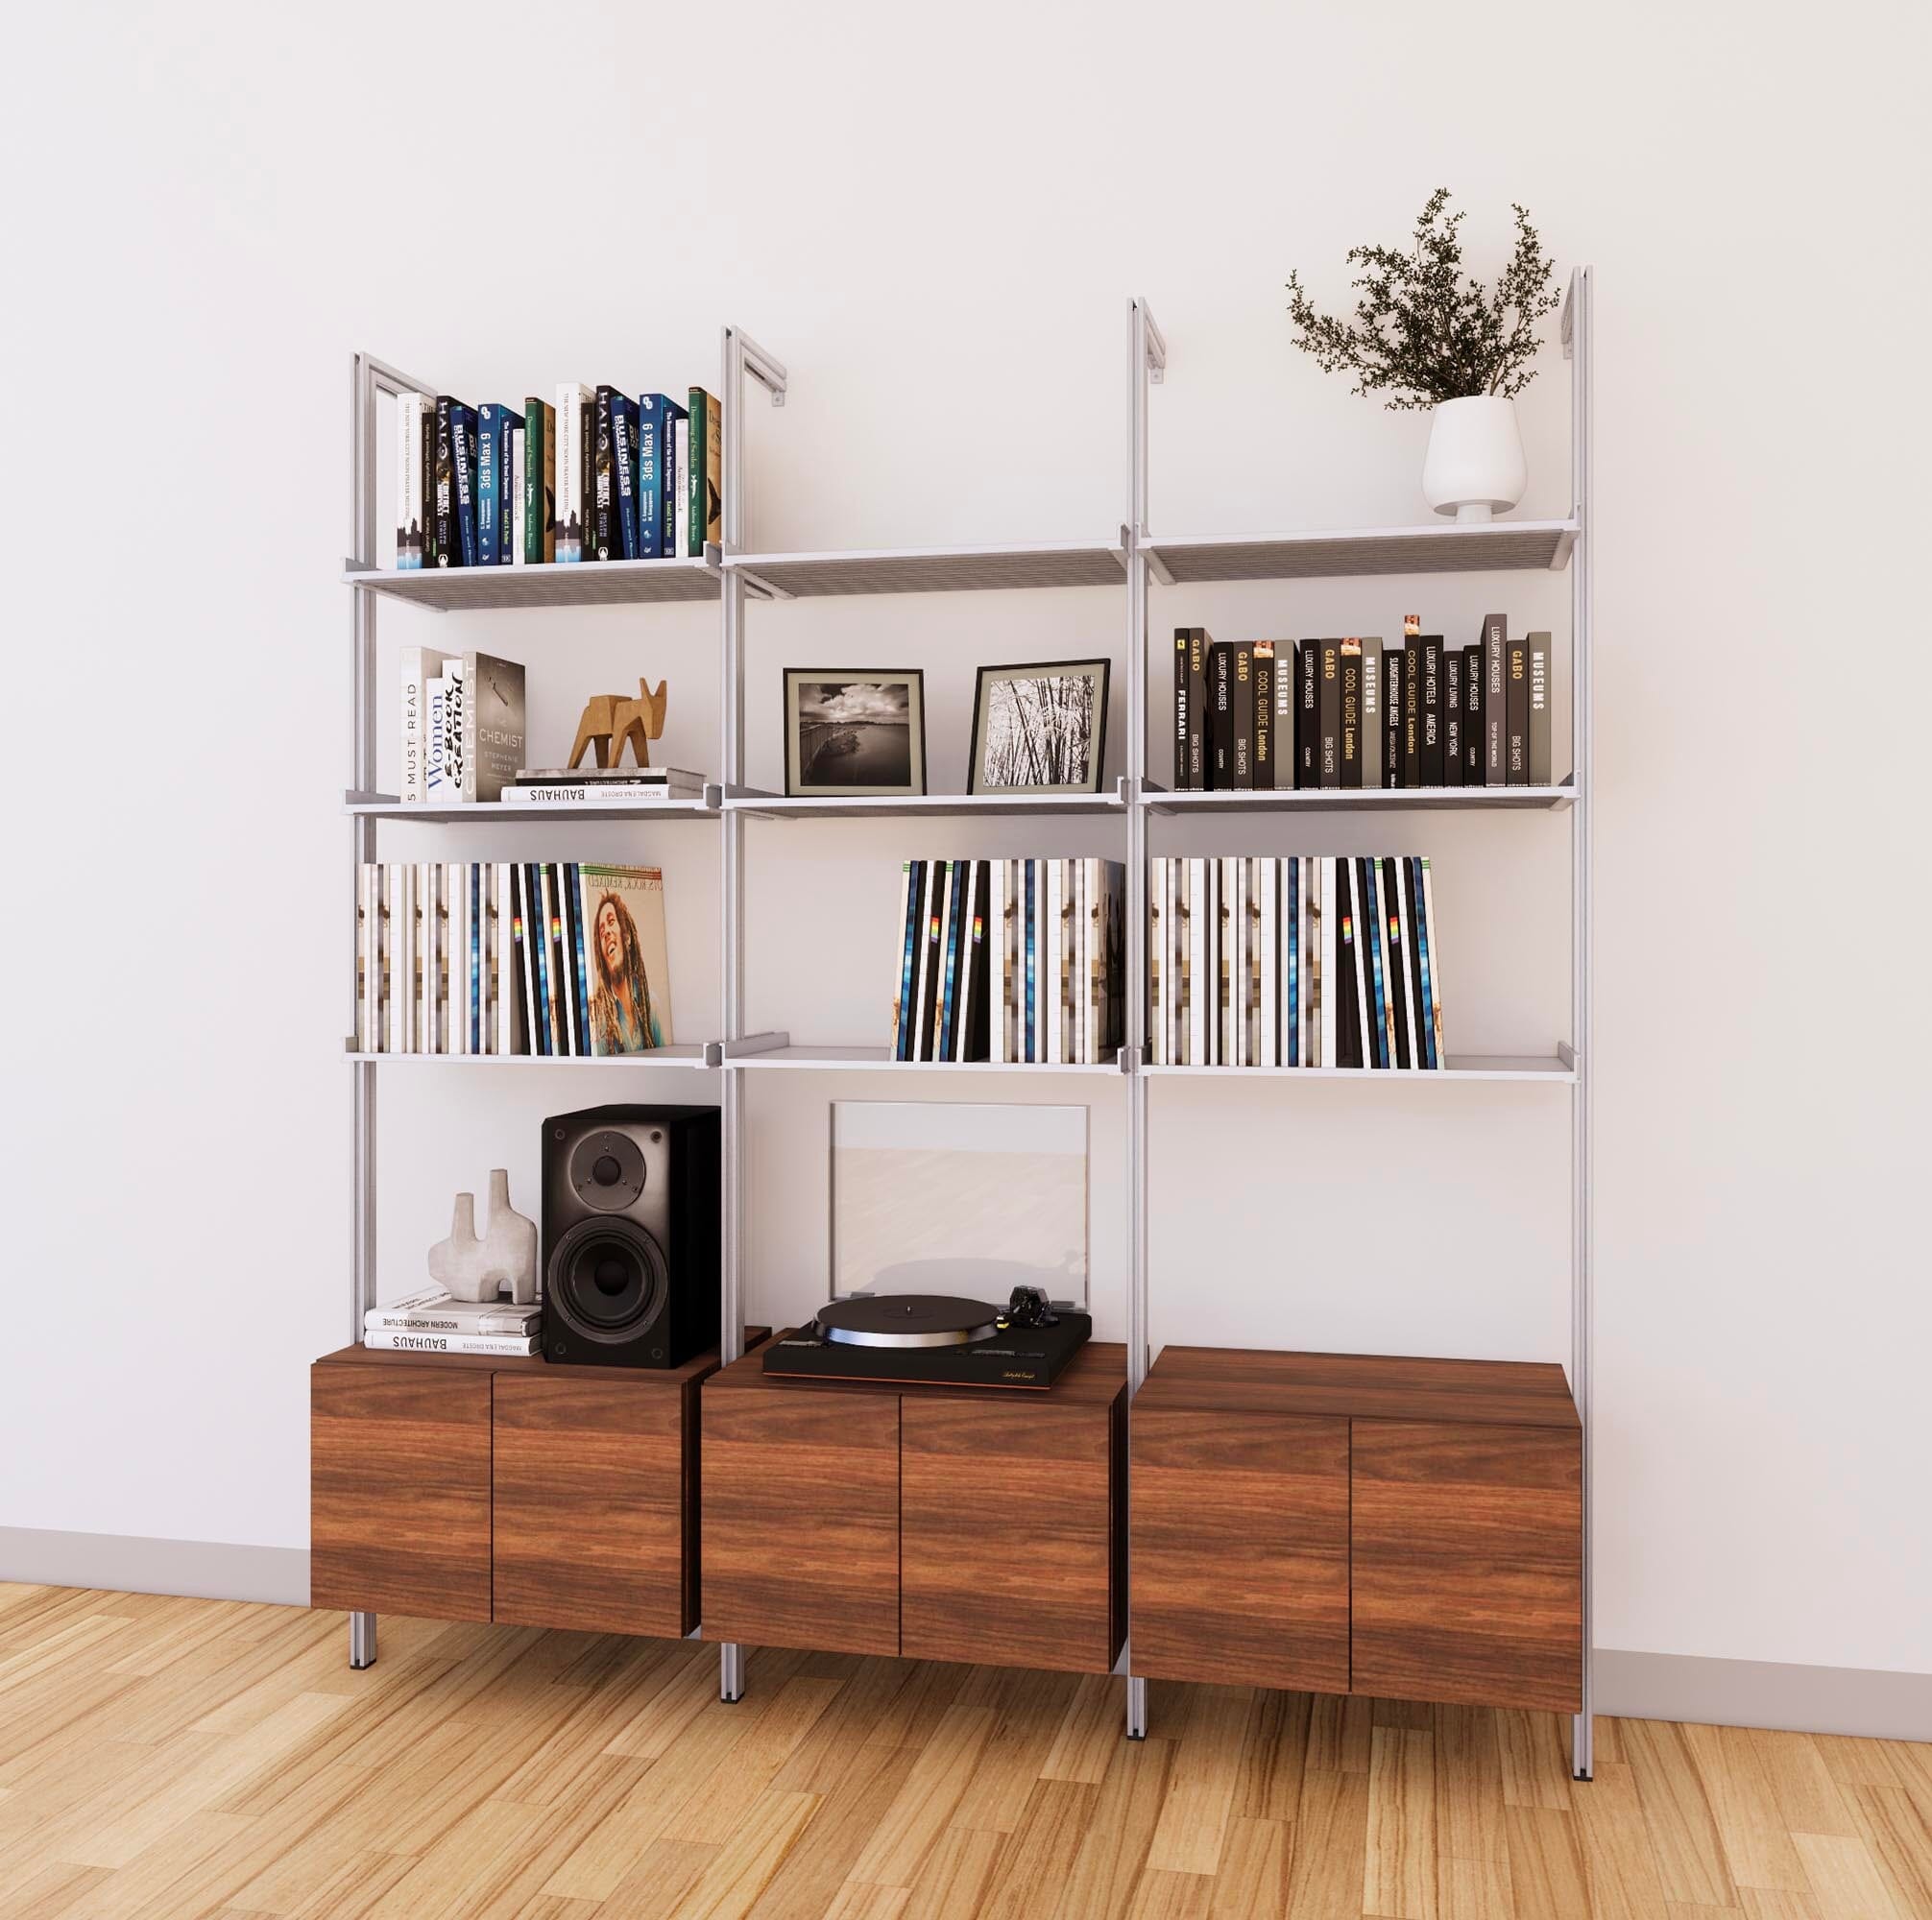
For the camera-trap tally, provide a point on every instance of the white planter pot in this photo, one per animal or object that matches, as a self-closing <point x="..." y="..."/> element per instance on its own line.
<point x="1475" y="465"/>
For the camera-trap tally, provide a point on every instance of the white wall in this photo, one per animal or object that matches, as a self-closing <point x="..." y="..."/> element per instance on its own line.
<point x="937" y="221"/>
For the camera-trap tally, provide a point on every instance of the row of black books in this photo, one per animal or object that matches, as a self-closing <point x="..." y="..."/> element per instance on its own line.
<point x="596" y="475"/>
<point x="508" y="957"/>
<point x="1317" y="961"/>
<point x="1354" y="712"/>
<point x="1014" y="961"/>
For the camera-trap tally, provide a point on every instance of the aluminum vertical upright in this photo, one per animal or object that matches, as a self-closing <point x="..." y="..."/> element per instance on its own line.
<point x="369" y="380"/>
<point x="741" y="356"/>
<point x="1147" y="359"/>
<point x="1578" y="349"/>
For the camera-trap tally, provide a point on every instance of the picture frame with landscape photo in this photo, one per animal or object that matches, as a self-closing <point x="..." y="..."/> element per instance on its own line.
<point x="1040" y="727"/>
<point x="853" y="732"/>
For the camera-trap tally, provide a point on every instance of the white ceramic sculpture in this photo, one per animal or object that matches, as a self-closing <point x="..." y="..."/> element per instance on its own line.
<point x="504" y="1261"/>
<point x="510" y="1243"/>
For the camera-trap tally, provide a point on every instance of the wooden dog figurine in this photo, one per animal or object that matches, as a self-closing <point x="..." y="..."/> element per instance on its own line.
<point x="610" y="719"/>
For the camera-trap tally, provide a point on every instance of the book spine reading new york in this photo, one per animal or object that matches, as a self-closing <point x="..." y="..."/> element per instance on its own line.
<point x="460" y="958"/>
<point x="1357" y="712"/>
<point x="1310" y="961"/>
<point x="1017" y="961"/>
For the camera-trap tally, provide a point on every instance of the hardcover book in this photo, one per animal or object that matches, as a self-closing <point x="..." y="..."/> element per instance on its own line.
<point x="1265" y="749"/>
<point x="1220" y="715"/>
<point x="519" y="473"/>
<point x="605" y="538"/>
<point x="1495" y="700"/>
<point x="1539" y="708"/>
<point x="1395" y="693"/>
<point x="493" y="725"/>
<point x="672" y="514"/>
<point x="462" y="466"/>
<point x="1307" y="714"/>
<point x="1431" y="772"/>
<point x="494" y="501"/>
<point x="414" y="449"/>
<point x="1516" y="714"/>
<point x="1184" y="771"/>
<point x="1242" y="748"/>
<point x="1329" y="717"/>
<point x="540" y="482"/>
<point x="706" y="484"/>
<point x="1287" y="693"/>
<point x="575" y="404"/>
<point x="1472" y="716"/>
<point x="1351" y="712"/>
<point x="1452" y="716"/>
<point x="1372" y="727"/>
<point x="1412" y="704"/>
<point x="627" y="971"/>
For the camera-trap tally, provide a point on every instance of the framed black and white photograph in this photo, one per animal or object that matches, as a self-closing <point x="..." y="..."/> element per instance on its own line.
<point x="851" y="730"/>
<point x="1040" y="728"/>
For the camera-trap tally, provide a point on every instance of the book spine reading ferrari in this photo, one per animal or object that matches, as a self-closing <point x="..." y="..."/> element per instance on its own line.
<point x="1183" y="768"/>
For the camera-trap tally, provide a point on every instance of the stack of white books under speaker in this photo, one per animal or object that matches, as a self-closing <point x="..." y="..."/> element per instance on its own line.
<point x="601" y="786"/>
<point x="428" y="1321"/>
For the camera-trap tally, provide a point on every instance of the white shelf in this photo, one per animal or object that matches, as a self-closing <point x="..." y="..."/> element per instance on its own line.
<point x="1367" y="800"/>
<point x="387" y="806"/>
<point x="661" y="1056"/>
<point x="937" y="569"/>
<point x="878" y="1059"/>
<point x="929" y="805"/>
<point x="1502" y="546"/>
<point x="590" y="583"/>
<point x="1553" y="1070"/>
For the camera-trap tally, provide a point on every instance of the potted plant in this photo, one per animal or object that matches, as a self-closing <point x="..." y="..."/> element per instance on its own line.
<point x="1428" y="335"/>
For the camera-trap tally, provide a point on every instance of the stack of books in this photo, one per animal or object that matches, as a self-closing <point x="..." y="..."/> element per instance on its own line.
<point x="461" y="726"/>
<point x="428" y="1321"/>
<point x="1352" y="713"/>
<point x="500" y="957"/>
<point x="1310" y="961"/>
<point x="608" y="786"/>
<point x="597" y="475"/>
<point x="1014" y="961"/>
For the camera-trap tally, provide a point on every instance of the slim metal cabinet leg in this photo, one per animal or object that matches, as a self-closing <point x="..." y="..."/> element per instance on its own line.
<point x="1137" y="1708"/>
<point x="361" y="1639"/>
<point x="730" y="1672"/>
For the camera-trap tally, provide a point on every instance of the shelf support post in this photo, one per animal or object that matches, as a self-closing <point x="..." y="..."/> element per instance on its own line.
<point x="1576" y="347"/>
<point x="1147" y="362"/>
<point x="742" y="356"/>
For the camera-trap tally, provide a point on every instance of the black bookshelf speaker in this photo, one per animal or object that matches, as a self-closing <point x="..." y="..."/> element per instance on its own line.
<point x="631" y="1231"/>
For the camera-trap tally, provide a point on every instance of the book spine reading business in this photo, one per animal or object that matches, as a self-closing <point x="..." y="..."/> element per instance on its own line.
<point x="1394" y="680"/>
<point x="1516" y="714"/>
<point x="1183" y="771"/>
<point x="1329" y="654"/>
<point x="1472" y="716"/>
<point x="1452" y="716"/>
<point x="1351" y="712"/>
<point x="1220" y="715"/>
<point x="1432" y="710"/>
<point x="1372" y="711"/>
<point x="1495" y="700"/>
<point x="463" y="456"/>
<point x="1241" y="712"/>
<point x="540" y="482"/>
<point x="1267" y="750"/>
<point x="1539" y="708"/>
<point x="624" y="430"/>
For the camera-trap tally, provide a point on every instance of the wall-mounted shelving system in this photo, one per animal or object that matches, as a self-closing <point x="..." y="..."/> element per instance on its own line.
<point x="1132" y="558"/>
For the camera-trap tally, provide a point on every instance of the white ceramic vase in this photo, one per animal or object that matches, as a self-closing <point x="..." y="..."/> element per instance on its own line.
<point x="460" y="1264"/>
<point x="1475" y="465"/>
<point x="510" y="1244"/>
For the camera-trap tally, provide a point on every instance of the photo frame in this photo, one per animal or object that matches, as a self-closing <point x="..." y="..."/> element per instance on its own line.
<point x="853" y="732"/>
<point x="1040" y="727"/>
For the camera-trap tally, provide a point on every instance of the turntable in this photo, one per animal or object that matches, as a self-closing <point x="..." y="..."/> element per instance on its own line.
<point x="934" y="1340"/>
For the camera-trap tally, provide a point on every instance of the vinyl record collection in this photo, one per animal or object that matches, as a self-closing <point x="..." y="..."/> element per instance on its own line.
<point x="593" y="475"/>
<point x="1017" y="961"/>
<point x="545" y="958"/>
<point x="1352" y="713"/>
<point x="1310" y="961"/>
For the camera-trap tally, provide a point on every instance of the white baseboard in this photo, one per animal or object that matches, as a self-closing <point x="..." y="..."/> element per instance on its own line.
<point x="1765" y="1693"/>
<point x="210" y="1570"/>
<point x="1634" y="1686"/>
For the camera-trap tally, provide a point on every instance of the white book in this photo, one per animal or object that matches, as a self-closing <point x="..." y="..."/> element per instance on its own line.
<point x="412" y="509"/>
<point x="682" y="509"/>
<point x="455" y="894"/>
<point x="1270" y="964"/>
<point x="1085" y="883"/>
<point x="1235" y="923"/>
<point x="430" y="1309"/>
<point x="1405" y="921"/>
<point x="592" y="794"/>
<point x="573" y="400"/>
<point x="397" y="959"/>
<point x="1223" y="884"/>
<point x="517" y="477"/>
<point x="419" y="665"/>
<point x="502" y="993"/>
<point x="1435" y="951"/>
<point x="500" y="1346"/>
<point x="1178" y="958"/>
<point x="1157" y="926"/>
<point x="1054" y="974"/>
<point x="1197" y="985"/>
<point x="425" y="957"/>
<point x="1365" y="984"/>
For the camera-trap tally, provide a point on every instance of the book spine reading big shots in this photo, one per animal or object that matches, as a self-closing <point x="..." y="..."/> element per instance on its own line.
<point x="1355" y="711"/>
<point x="1312" y="961"/>
<point x="545" y="958"/>
<point x="590" y="474"/>
<point x="1017" y="962"/>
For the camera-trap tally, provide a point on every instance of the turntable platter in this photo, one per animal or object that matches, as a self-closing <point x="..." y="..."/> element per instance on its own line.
<point x="908" y="1320"/>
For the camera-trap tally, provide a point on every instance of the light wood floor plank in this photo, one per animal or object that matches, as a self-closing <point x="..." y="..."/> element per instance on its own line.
<point x="817" y="1867"/>
<point x="954" y="1877"/>
<point x="1331" y="1846"/>
<point x="1399" y="1865"/>
<point x="1253" y="1883"/>
<point x="1546" y="1865"/>
<point x="1743" y="1802"/>
<point x="1100" y="1884"/>
<point x="1273" y="1756"/>
<point x="1201" y="1781"/>
<point x="1845" y="1884"/>
<point x="1690" y="1854"/>
<point x="1475" y="1890"/>
<point x="1619" y="1866"/>
<point x="1899" y="1831"/>
<point x="1469" y="1785"/>
<point x="1339" y="1729"/>
<point x="923" y="1807"/>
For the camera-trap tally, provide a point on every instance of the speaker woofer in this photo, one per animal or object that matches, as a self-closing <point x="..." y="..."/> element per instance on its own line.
<point x="608" y="1280"/>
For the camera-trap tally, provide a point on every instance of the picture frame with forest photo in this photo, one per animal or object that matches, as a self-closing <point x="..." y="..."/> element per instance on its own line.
<point x="853" y="732"/>
<point x="1040" y="727"/>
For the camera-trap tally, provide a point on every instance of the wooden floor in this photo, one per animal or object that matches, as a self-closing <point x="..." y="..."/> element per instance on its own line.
<point x="162" y="1757"/>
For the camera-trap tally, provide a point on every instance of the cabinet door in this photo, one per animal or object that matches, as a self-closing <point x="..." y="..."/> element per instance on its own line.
<point x="1240" y="1548"/>
<point x="1008" y="1532"/>
<point x="589" y="1482"/>
<point x="801" y="1518"/>
<point x="400" y="1490"/>
<point x="1467" y="1564"/>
